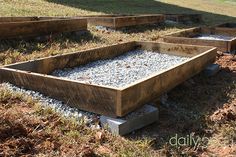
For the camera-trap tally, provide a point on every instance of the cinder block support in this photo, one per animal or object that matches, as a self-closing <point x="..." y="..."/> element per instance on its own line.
<point x="211" y="70"/>
<point x="135" y="120"/>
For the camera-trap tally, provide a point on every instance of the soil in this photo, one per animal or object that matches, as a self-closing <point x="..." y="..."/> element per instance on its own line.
<point x="21" y="133"/>
<point x="195" y="107"/>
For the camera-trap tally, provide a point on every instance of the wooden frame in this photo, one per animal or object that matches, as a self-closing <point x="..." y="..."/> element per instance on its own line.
<point x="184" y="18"/>
<point x="26" y="27"/>
<point x="25" y="18"/>
<point x="118" y="21"/>
<point x="226" y="27"/>
<point x="187" y="37"/>
<point x="107" y="100"/>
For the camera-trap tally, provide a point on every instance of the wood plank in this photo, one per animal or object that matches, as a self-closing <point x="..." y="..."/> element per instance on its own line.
<point x="232" y="45"/>
<point x="118" y="21"/>
<point x="107" y="100"/>
<point x="221" y="45"/>
<point x="24" y="18"/>
<point x="86" y="97"/>
<point x="49" y="64"/>
<point x="184" y="18"/>
<point x="83" y="96"/>
<point x="229" y="25"/>
<point x="225" y="31"/>
<point x="25" y="29"/>
<point x="186" y="37"/>
<point x="174" y="49"/>
<point x="231" y="31"/>
<point x="190" y="32"/>
<point x="138" y="20"/>
<point x="102" y="21"/>
<point x="148" y="89"/>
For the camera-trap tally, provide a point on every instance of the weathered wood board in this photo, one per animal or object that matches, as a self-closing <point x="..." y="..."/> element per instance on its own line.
<point x="187" y="37"/>
<point x="106" y="100"/>
<point x="25" y="27"/>
<point x="118" y="21"/>
<point x="184" y="18"/>
<point x="25" y="18"/>
<point x="226" y="27"/>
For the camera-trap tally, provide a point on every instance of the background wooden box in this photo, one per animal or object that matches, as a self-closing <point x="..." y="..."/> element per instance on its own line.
<point x="184" y="18"/>
<point x="25" y="27"/>
<point x="187" y="37"/>
<point x="118" y="21"/>
<point x="107" y="100"/>
<point x="226" y="27"/>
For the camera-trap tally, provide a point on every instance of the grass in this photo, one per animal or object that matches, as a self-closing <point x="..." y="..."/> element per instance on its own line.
<point x="210" y="8"/>
<point x="201" y="105"/>
<point x="227" y="1"/>
<point x="15" y="51"/>
<point x="37" y="8"/>
<point x="55" y="134"/>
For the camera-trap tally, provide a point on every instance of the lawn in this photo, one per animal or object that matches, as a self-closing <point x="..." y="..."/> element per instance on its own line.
<point x="200" y="107"/>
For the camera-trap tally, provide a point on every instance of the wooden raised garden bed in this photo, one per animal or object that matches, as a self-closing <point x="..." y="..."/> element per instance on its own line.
<point x="118" y="21"/>
<point x="191" y="36"/>
<point x="184" y="18"/>
<point x="227" y="27"/>
<point x="24" y="27"/>
<point x="103" y="99"/>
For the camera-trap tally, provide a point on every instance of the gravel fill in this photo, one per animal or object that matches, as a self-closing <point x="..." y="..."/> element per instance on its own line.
<point x="88" y="118"/>
<point x="214" y="37"/>
<point x="121" y="70"/>
<point x="103" y="28"/>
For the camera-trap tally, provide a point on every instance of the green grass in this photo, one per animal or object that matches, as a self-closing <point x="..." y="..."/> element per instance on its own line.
<point x="213" y="13"/>
<point x="211" y="9"/>
<point x="227" y="1"/>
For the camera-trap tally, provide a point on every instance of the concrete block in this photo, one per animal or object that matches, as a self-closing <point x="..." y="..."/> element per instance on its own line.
<point x="133" y="121"/>
<point x="211" y="70"/>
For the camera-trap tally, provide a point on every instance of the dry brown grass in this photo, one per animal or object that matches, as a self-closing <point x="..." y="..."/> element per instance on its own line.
<point x="28" y="129"/>
<point x="15" y="51"/>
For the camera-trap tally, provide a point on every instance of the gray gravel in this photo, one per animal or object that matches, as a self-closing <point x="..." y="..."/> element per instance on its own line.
<point x="103" y="28"/>
<point x="88" y="118"/>
<point x="214" y="37"/>
<point x="122" y="70"/>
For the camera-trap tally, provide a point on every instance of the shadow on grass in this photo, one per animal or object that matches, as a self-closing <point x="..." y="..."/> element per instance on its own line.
<point x="139" y="7"/>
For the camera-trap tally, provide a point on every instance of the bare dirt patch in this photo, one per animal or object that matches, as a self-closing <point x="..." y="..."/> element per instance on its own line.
<point x="200" y="107"/>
